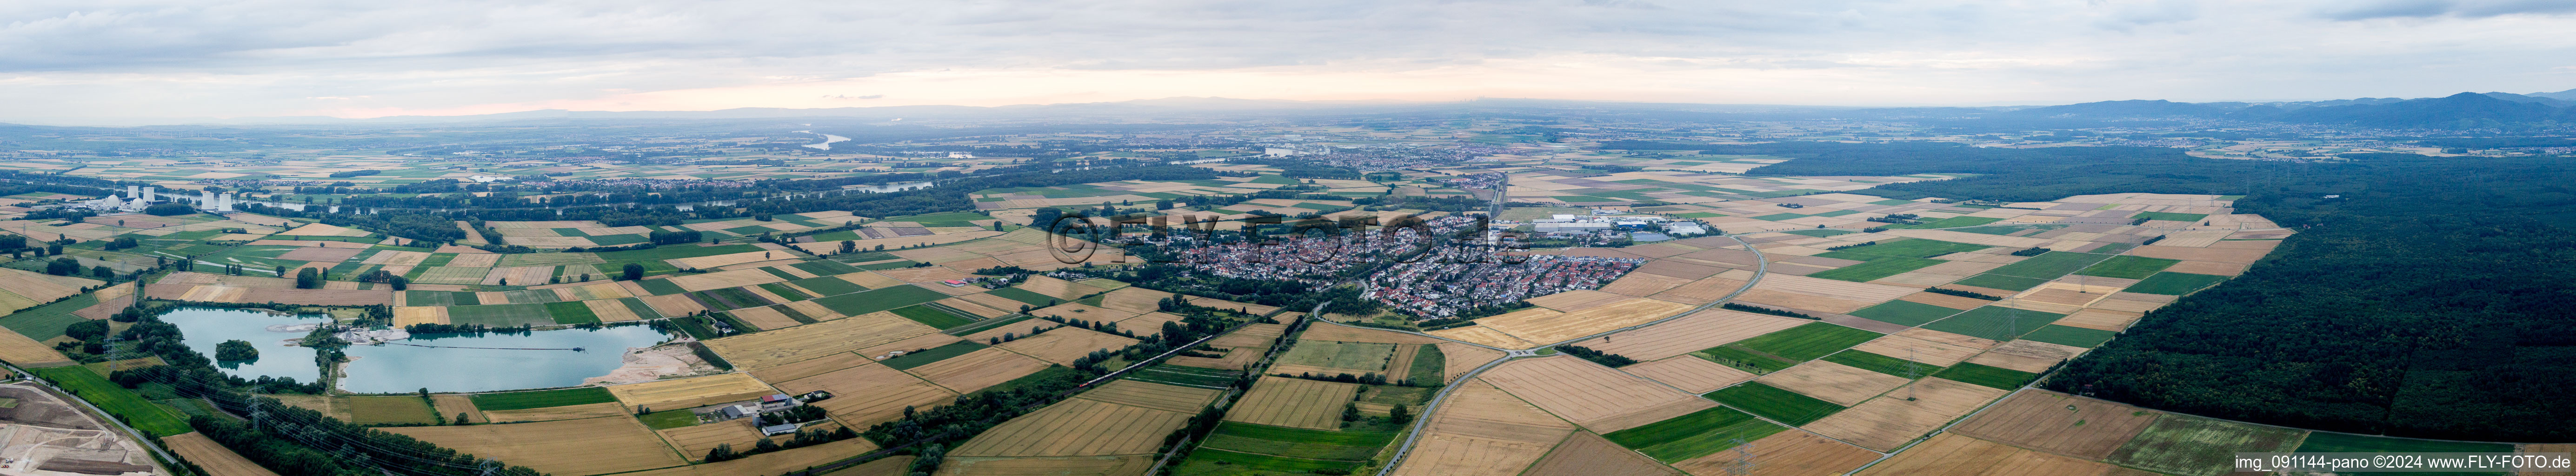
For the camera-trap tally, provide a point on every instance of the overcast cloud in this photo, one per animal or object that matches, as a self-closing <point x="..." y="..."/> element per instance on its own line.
<point x="98" y="60"/>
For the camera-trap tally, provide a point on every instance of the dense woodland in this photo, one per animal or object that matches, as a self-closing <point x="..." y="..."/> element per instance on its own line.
<point x="2429" y="301"/>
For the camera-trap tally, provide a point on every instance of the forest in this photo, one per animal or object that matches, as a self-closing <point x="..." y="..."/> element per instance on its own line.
<point x="2429" y="300"/>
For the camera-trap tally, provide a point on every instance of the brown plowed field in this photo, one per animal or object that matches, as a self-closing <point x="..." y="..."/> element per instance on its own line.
<point x="1077" y="427"/>
<point x="1153" y="395"/>
<point x="1889" y="421"/>
<point x="774" y="348"/>
<point x="1705" y="329"/>
<point x="2213" y="268"/>
<point x="1955" y="455"/>
<point x="213" y="457"/>
<point x="673" y="305"/>
<point x="1483" y="431"/>
<point x="1691" y="374"/>
<point x="2040" y="420"/>
<point x="2026" y="355"/>
<point x="1593" y="319"/>
<point x="2103" y="319"/>
<point x="1354" y="334"/>
<point x="691" y="392"/>
<point x="1587" y="454"/>
<point x="1842" y="384"/>
<point x="1294" y="402"/>
<point x="586" y="446"/>
<point x="1581" y="391"/>
<point x="1926" y="346"/>
<point x="1063" y="346"/>
<point x="978" y="369"/>
<point x="1787" y="453"/>
<point x="869" y="394"/>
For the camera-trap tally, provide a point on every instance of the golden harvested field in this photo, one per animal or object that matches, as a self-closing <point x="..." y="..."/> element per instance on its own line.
<point x="586" y="446"/>
<point x="524" y="275"/>
<point x="1121" y="465"/>
<point x="1824" y="294"/>
<point x="979" y="309"/>
<point x="1842" y="384"/>
<point x="724" y="279"/>
<point x="921" y="275"/>
<point x="2026" y="355"/>
<point x="1147" y="324"/>
<point x="2040" y="420"/>
<point x="474" y="260"/>
<point x="2103" y="319"/>
<point x="1458" y="358"/>
<point x="1075" y="310"/>
<point x="695" y="441"/>
<point x="815" y="310"/>
<point x="1691" y="374"/>
<point x="1574" y="300"/>
<point x="610" y="310"/>
<point x="2213" y="268"/>
<point x="706" y="262"/>
<point x="452" y="404"/>
<point x="785" y="346"/>
<point x="1077" y="427"/>
<point x="1251" y="335"/>
<point x="318" y="229"/>
<point x="1549" y="329"/>
<point x="1153" y="395"/>
<point x="1057" y="288"/>
<point x="1355" y="334"/>
<point x="1294" y="402"/>
<point x="2223" y="255"/>
<point x="1063" y="346"/>
<point x="1017" y="329"/>
<point x="1137" y="300"/>
<point x="568" y="412"/>
<point x="320" y="254"/>
<point x="1702" y="291"/>
<point x="994" y="302"/>
<point x="1482" y="431"/>
<point x="588" y="292"/>
<point x="673" y="305"/>
<point x="1587" y="393"/>
<point x="1587" y="454"/>
<point x="1889" y="421"/>
<point x="869" y="394"/>
<point x="1701" y="330"/>
<point x="1487" y="335"/>
<point x="773" y="463"/>
<point x="1642" y="284"/>
<point x="763" y="317"/>
<point x="978" y="369"/>
<point x="213" y="457"/>
<point x="919" y="342"/>
<point x="691" y="392"/>
<point x="1787" y="453"/>
<point x="25" y="352"/>
<point x="809" y="368"/>
<point x="1926" y="346"/>
<point x="1950" y="454"/>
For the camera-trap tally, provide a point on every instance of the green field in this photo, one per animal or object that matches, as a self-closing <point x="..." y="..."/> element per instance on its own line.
<point x="1249" y="461"/>
<point x="942" y="219"/>
<point x="2328" y="442"/>
<point x="117" y="400"/>
<point x="501" y="315"/>
<point x="732" y="298"/>
<point x="1186" y="376"/>
<point x="670" y="252"/>
<point x="828" y="286"/>
<point x="1807" y="232"/>
<point x="1994" y="322"/>
<point x="389" y="409"/>
<point x="1292" y="449"/>
<point x="826" y="267"/>
<point x="2112" y="248"/>
<point x="1808" y="341"/>
<point x="1996" y="377"/>
<point x="1773" y="403"/>
<point x="1882" y="364"/>
<point x="791" y="294"/>
<point x="571" y="312"/>
<point x="932" y="317"/>
<point x="2170" y="216"/>
<point x="2048" y="265"/>
<point x="1357" y="356"/>
<point x="859" y="303"/>
<point x="660" y="287"/>
<point x="542" y="398"/>
<point x="1997" y="281"/>
<point x="2128" y="267"/>
<point x="934" y="354"/>
<point x="1022" y="295"/>
<point x="47" y="321"/>
<point x="1427" y="365"/>
<point x="668" y="419"/>
<point x="1279" y="433"/>
<point x="2071" y="336"/>
<point x="1955" y="222"/>
<point x="1735" y="356"/>
<point x="2194" y="446"/>
<point x="1917" y="248"/>
<point x="2174" y="284"/>
<point x="1694" y="435"/>
<point x="1876" y="268"/>
<point x="1905" y="313"/>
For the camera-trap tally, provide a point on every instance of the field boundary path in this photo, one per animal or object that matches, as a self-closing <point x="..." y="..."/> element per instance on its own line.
<point x="1419" y="424"/>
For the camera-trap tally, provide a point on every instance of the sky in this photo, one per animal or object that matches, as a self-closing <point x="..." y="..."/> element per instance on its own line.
<point x="125" y="62"/>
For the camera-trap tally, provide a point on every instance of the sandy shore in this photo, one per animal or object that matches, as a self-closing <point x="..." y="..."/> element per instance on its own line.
<point x="654" y="363"/>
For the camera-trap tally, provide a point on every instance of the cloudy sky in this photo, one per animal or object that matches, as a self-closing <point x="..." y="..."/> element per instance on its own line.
<point x="106" y="61"/>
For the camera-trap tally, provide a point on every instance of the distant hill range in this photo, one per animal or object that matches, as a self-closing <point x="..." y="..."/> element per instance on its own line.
<point x="2457" y="111"/>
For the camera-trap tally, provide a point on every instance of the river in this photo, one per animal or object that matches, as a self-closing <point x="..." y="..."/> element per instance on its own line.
<point x="403" y="368"/>
<point x="828" y="139"/>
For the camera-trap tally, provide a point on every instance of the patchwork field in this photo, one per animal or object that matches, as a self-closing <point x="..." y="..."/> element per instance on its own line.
<point x="1591" y="395"/>
<point x="1295" y="403"/>
<point x="780" y="347"/>
<point x="1077" y="427"/>
<point x="1482" y="431"/>
<point x="691" y="392"/>
<point x="1891" y="420"/>
<point x="867" y="393"/>
<point x="585" y="446"/>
